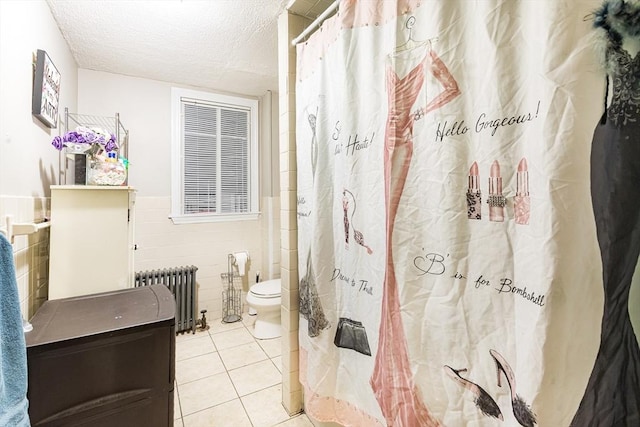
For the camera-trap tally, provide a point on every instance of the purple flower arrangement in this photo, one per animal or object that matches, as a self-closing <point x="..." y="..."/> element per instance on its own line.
<point x="96" y="138"/>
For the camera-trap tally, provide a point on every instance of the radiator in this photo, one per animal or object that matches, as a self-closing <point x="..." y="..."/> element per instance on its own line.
<point x="181" y="281"/>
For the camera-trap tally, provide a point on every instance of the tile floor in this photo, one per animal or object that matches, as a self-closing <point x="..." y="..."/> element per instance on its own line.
<point x="227" y="378"/>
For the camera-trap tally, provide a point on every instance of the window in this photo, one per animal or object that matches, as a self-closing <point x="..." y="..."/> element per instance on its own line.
<point x="214" y="157"/>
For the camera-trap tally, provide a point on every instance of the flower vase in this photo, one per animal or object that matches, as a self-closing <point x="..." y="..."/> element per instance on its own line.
<point x="105" y="171"/>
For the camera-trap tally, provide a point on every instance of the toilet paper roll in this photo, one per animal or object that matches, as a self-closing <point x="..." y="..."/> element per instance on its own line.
<point x="240" y="260"/>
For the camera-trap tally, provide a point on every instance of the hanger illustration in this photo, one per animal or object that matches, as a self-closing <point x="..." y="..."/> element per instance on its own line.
<point x="411" y="43"/>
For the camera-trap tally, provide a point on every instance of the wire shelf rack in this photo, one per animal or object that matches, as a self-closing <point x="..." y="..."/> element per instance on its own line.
<point x="112" y="125"/>
<point x="231" y="294"/>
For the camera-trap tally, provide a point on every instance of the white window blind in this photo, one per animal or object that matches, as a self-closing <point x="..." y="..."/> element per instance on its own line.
<point x="218" y="158"/>
<point x="233" y="171"/>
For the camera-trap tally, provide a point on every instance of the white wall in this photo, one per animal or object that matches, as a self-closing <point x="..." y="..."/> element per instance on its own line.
<point x="269" y="153"/>
<point x="145" y="110"/>
<point x="270" y="185"/>
<point x="28" y="163"/>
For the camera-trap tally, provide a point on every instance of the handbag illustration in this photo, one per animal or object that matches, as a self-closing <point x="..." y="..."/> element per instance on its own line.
<point x="352" y="335"/>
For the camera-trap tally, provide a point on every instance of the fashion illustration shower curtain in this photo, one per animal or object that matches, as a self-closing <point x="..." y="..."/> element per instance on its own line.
<point x="449" y="260"/>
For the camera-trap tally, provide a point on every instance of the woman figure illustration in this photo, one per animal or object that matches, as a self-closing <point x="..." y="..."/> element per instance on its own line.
<point x="612" y="396"/>
<point x="392" y="381"/>
<point x="310" y="304"/>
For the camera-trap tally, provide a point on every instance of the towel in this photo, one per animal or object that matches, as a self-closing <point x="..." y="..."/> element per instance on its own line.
<point x="240" y="260"/>
<point x="13" y="351"/>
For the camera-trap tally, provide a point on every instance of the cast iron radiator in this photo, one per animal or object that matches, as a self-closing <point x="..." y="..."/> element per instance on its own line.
<point x="181" y="281"/>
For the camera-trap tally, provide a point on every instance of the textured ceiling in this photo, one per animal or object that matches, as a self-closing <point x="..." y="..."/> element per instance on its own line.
<point x="309" y="8"/>
<point x="227" y="45"/>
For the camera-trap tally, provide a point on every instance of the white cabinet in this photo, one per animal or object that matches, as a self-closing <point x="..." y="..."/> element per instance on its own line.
<point x="91" y="246"/>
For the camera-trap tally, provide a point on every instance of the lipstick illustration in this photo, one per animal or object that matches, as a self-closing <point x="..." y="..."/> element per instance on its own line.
<point x="496" y="200"/>
<point x="474" y="196"/>
<point x="522" y="205"/>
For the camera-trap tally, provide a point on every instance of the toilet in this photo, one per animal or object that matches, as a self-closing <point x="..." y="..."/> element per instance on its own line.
<point x="265" y="299"/>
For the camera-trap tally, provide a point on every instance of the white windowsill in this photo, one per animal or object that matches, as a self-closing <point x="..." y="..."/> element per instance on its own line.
<point x="196" y="219"/>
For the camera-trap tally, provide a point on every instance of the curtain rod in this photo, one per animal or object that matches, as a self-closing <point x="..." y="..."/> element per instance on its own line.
<point x="316" y="23"/>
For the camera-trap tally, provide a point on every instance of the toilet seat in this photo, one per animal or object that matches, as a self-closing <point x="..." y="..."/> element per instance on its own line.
<point x="266" y="290"/>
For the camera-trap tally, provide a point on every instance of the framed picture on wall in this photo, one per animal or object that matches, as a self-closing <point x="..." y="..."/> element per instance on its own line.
<point x="46" y="90"/>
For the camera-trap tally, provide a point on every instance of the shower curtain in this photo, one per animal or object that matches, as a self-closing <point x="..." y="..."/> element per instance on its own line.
<point x="449" y="266"/>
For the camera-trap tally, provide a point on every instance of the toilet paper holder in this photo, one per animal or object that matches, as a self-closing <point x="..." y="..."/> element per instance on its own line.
<point x="231" y="291"/>
<point x="241" y="260"/>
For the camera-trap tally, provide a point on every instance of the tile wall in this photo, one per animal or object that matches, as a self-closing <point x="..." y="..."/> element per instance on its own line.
<point x="161" y="244"/>
<point x="30" y="252"/>
<point x="270" y="223"/>
<point x="289" y="26"/>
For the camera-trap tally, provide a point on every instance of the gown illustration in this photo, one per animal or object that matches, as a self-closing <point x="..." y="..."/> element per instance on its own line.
<point x="392" y="383"/>
<point x="310" y="304"/>
<point x="612" y="395"/>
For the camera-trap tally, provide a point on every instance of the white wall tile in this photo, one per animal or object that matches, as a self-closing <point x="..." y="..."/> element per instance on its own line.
<point x="289" y="258"/>
<point x="289" y="239"/>
<point x="30" y="252"/>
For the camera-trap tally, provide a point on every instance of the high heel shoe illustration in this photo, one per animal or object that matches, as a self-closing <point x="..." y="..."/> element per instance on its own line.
<point x="521" y="410"/>
<point x="483" y="401"/>
<point x="357" y="235"/>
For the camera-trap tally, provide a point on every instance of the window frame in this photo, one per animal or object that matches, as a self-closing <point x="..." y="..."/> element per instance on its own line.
<point x="177" y="156"/>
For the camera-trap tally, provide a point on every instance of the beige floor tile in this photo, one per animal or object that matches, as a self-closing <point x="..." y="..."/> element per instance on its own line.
<point x="186" y="336"/>
<point x="198" y="367"/>
<point x="218" y="326"/>
<point x="254" y="377"/>
<point x="278" y="362"/>
<point x="194" y="347"/>
<point x="246" y="354"/>
<point x="272" y="347"/>
<point x="265" y="407"/>
<point x="232" y="338"/>
<point x="298" y="421"/>
<point x="177" y="414"/>
<point x="248" y="320"/>
<point x="205" y="393"/>
<point x="178" y="423"/>
<point x="229" y="414"/>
